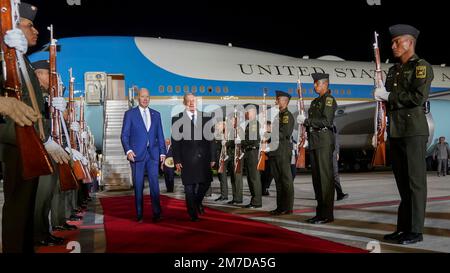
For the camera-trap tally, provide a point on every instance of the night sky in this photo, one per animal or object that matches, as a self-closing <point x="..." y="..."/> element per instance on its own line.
<point x="293" y="28"/>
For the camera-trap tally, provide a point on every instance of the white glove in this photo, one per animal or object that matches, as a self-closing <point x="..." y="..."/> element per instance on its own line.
<point x="381" y="94"/>
<point x="59" y="103"/>
<point x="56" y="152"/>
<point x="306" y="144"/>
<point x="267" y="150"/>
<point x="301" y="119"/>
<point x="224" y="142"/>
<point x="16" y="39"/>
<point x="75" y="126"/>
<point x="237" y="141"/>
<point x="84" y="135"/>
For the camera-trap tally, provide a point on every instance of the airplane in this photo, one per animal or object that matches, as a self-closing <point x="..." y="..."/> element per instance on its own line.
<point x="226" y="75"/>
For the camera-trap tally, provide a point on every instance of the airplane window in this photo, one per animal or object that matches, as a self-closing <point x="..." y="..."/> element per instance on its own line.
<point x="210" y="89"/>
<point x="202" y="89"/>
<point x="342" y="92"/>
<point x="194" y="89"/>
<point x="186" y="89"/>
<point x="161" y="89"/>
<point x="311" y="91"/>
<point x="169" y="89"/>
<point x="178" y="89"/>
<point x="349" y="92"/>
<point x="218" y="89"/>
<point x="336" y="92"/>
<point x="290" y="90"/>
<point x="304" y="90"/>
<point x="225" y="89"/>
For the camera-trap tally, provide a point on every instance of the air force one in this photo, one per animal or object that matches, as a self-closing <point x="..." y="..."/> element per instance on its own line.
<point x="106" y="68"/>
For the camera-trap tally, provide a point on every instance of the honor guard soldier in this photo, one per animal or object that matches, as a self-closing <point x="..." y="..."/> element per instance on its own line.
<point x="406" y="93"/>
<point x="20" y="194"/>
<point x="280" y="150"/>
<point x="321" y="145"/>
<point x="250" y="145"/>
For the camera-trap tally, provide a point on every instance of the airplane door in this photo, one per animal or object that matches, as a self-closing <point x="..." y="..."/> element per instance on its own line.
<point x="116" y="87"/>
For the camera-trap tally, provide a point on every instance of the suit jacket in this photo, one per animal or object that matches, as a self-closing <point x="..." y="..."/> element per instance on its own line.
<point x="195" y="155"/>
<point x="135" y="136"/>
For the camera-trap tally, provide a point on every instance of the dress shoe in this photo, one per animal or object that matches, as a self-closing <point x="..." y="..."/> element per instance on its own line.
<point x="156" y="218"/>
<point x="221" y="199"/>
<point x="275" y="212"/>
<point x="410" y="238"/>
<point x="194" y="219"/>
<point x="394" y="236"/>
<point x="232" y="202"/>
<point x="140" y="219"/>
<point x="342" y="197"/>
<point x="311" y="220"/>
<point x="286" y="212"/>
<point x="56" y="239"/>
<point x="266" y="193"/>
<point x="75" y="218"/>
<point x="251" y="206"/>
<point x="321" y="221"/>
<point x="44" y="243"/>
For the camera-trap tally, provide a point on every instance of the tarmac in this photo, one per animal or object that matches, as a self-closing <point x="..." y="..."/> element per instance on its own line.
<point x="360" y="221"/>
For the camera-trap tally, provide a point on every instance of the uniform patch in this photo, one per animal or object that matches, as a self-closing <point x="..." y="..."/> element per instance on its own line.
<point x="329" y="102"/>
<point x="421" y="72"/>
<point x="285" y="119"/>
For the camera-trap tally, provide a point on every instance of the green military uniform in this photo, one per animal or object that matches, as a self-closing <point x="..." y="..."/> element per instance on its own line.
<point x="236" y="178"/>
<point x="280" y="159"/>
<point x="321" y="145"/>
<point x="18" y="209"/>
<point x="409" y="86"/>
<point x="250" y="145"/>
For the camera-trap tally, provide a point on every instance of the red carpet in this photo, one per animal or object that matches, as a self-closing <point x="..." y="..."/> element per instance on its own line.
<point x="216" y="232"/>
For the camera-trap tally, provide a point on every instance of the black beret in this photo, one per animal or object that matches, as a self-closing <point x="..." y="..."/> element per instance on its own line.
<point x="398" y="30"/>
<point x="282" y="94"/>
<point x="320" y="76"/>
<point x="27" y="11"/>
<point x="42" y="64"/>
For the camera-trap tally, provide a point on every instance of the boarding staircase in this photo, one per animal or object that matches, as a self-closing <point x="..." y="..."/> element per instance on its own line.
<point x="116" y="171"/>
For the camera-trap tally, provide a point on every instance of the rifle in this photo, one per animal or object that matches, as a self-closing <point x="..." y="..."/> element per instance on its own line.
<point x="78" y="168"/>
<point x="83" y="145"/>
<point x="262" y="153"/>
<point x="301" y="159"/>
<point x="67" y="178"/>
<point x="237" y="147"/>
<point x="379" y="155"/>
<point x="223" y="151"/>
<point x="35" y="159"/>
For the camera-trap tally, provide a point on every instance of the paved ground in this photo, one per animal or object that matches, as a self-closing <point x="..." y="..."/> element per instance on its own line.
<point x="369" y="213"/>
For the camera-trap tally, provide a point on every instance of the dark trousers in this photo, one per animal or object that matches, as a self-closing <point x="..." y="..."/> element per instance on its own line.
<point x="58" y="209"/>
<point x="43" y="206"/>
<point x="253" y="178"/>
<point x="18" y="209"/>
<point x="223" y="184"/>
<point x="322" y="174"/>
<point x="266" y="176"/>
<point x="138" y="170"/>
<point x="442" y="166"/>
<point x="169" y="175"/>
<point x="194" y="197"/>
<point x="280" y="166"/>
<point x="408" y="163"/>
<point x="336" y="178"/>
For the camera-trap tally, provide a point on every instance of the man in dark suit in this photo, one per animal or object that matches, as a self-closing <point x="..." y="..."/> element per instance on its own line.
<point x="143" y="142"/>
<point x="194" y="153"/>
<point x="168" y="169"/>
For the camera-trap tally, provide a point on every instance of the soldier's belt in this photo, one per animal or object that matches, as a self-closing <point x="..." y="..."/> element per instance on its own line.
<point x="318" y="130"/>
<point x="251" y="148"/>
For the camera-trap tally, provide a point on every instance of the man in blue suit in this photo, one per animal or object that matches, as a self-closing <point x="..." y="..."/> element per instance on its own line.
<point x="143" y="142"/>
